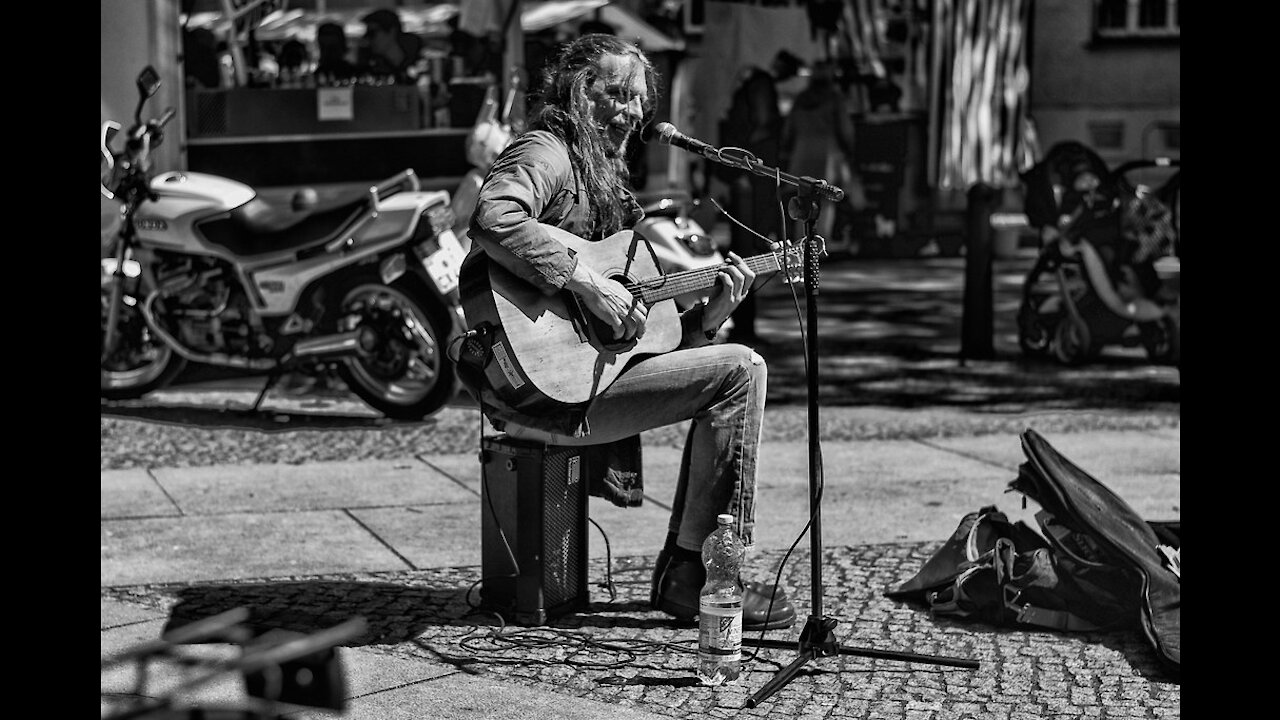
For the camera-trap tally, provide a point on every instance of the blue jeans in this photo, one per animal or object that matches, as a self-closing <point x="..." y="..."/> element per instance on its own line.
<point x="721" y="388"/>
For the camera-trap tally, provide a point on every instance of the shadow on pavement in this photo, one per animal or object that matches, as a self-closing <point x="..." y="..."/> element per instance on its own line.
<point x="395" y="612"/>
<point x="889" y="334"/>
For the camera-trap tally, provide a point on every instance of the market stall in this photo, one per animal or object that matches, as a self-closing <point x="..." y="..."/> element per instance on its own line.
<point x="265" y="126"/>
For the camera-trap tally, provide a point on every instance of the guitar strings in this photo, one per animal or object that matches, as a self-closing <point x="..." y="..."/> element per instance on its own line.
<point x="696" y="279"/>
<point x="688" y="280"/>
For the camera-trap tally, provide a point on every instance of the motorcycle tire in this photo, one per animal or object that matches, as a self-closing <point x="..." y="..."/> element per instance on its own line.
<point x="407" y="376"/>
<point x="141" y="361"/>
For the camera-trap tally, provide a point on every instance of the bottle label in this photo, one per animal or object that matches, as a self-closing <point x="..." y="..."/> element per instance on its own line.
<point x="720" y="633"/>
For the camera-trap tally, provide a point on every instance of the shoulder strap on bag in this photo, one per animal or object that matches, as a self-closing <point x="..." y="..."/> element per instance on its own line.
<point x="1052" y="619"/>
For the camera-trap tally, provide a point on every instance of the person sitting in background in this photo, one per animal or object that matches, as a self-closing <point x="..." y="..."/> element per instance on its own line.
<point x="332" y="66"/>
<point x="387" y="50"/>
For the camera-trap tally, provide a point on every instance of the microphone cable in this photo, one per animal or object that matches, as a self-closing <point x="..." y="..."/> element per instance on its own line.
<point x="490" y="644"/>
<point x="493" y="513"/>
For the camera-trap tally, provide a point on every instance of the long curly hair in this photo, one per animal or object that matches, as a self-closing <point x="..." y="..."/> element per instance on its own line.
<point x="562" y="105"/>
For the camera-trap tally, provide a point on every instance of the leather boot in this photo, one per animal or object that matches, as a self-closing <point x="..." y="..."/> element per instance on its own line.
<point x="660" y="567"/>
<point x="676" y="589"/>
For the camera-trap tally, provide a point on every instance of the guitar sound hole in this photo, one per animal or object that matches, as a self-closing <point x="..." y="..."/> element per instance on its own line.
<point x="607" y="338"/>
<point x="589" y="327"/>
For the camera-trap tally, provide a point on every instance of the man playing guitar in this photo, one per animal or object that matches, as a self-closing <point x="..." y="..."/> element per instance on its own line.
<point x="559" y="190"/>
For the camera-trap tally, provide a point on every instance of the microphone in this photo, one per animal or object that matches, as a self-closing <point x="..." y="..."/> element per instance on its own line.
<point x="669" y="135"/>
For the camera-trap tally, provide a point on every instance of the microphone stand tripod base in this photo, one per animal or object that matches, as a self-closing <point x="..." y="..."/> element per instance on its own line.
<point x="818" y="639"/>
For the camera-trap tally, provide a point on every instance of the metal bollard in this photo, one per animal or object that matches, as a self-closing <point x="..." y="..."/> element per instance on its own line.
<point x="976" y="323"/>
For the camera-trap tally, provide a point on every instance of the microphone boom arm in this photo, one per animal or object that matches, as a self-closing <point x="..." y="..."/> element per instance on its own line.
<point x="823" y="188"/>
<point x="741" y="159"/>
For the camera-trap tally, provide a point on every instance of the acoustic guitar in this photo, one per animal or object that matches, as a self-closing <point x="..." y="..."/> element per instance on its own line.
<point x="551" y="348"/>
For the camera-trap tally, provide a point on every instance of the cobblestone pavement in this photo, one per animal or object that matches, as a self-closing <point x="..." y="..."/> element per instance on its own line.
<point x="625" y="654"/>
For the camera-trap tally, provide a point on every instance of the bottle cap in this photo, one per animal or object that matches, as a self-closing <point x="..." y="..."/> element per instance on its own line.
<point x="724" y="519"/>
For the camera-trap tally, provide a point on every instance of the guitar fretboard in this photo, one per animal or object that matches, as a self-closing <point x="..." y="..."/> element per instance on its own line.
<point x="664" y="287"/>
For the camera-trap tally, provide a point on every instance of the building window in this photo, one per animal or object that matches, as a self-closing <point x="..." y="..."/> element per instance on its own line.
<point x="694" y="13"/>
<point x="1107" y="134"/>
<point x="1136" y="18"/>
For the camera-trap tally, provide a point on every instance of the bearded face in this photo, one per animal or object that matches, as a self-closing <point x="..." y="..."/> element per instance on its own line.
<point x="617" y="99"/>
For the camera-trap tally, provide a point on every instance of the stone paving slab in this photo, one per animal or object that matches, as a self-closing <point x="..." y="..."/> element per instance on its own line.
<point x="313" y="486"/>
<point x="1105" y="455"/>
<point x="114" y="614"/>
<point x="428" y="535"/>
<point x="193" y="549"/>
<point x="872" y="492"/>
<point x="1144" y="468"/>
<point x="134" y="493"/>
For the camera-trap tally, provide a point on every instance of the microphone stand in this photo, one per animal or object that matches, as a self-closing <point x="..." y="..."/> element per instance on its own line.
<point x="817" y="639"/>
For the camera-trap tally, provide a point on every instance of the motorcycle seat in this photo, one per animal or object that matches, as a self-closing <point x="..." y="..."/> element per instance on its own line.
<point x="258" y="228"/>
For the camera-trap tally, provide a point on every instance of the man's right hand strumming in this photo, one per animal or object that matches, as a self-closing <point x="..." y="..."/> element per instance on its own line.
<point x="608" y="300"/>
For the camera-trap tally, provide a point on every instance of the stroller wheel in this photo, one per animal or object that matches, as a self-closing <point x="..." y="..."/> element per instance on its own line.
<point x="1071" y="341"/>
<point x="1033" y="336"/>
<point x="1160" y="339"/>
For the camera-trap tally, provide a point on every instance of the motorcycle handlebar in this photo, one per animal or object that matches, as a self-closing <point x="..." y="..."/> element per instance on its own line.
<point x="109" y="130"/>
<point x="165" y="118"/>
<point x="137" y="151"/>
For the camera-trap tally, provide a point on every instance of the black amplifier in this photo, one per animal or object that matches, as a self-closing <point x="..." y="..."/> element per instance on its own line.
<point x="533" y="510"/>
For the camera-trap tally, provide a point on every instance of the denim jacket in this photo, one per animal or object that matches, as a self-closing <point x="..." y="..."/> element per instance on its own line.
<point x="532" y="182"/>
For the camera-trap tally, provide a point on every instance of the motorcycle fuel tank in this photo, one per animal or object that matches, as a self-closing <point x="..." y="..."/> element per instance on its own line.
<point x="215" y="193"/>
<point x="182" y="199"/>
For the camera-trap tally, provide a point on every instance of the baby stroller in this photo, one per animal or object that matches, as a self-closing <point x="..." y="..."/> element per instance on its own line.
<point x="1108" y="269"/>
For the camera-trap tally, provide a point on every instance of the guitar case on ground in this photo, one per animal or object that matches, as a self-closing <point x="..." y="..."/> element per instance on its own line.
<point x="1090" y="510"/>
<point x="1095" y="565"/>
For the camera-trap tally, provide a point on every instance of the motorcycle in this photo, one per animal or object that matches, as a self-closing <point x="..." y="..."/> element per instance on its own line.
<point x="203" y="270"/>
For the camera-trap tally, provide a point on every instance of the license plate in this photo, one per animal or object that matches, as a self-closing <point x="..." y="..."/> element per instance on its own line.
<point x="444" y="264"/>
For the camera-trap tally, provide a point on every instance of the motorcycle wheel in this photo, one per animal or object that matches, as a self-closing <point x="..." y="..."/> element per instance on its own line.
<point x="407" y="376"/>
<point x="141" y="362"/>
<point x="1071" y="341"/>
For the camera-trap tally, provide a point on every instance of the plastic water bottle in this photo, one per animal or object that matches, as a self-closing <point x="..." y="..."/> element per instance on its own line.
<point x="720" y="606"/>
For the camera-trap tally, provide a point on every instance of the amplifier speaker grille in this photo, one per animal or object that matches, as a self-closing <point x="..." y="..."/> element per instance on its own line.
<point x="535" y="497"/>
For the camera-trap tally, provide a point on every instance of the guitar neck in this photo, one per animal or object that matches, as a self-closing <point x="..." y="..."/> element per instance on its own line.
<point x="665" y="287"/>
